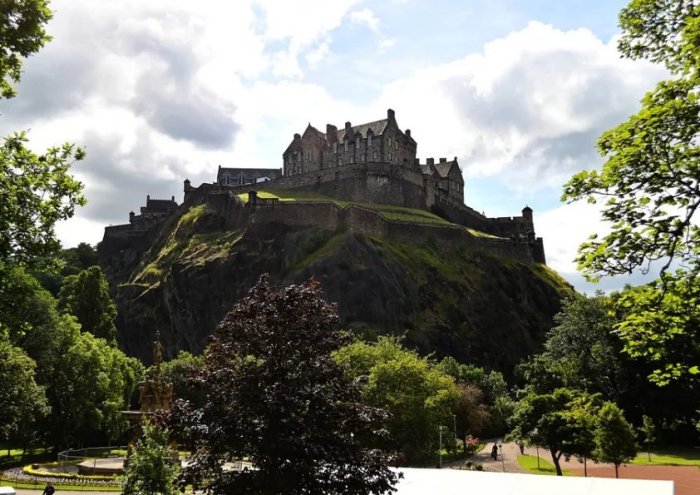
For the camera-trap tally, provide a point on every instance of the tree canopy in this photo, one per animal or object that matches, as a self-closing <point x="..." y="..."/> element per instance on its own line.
<point x="22" y="33"/>
<point x="419" y="395"/>
<point x="650" y="186"/>
<point x="274" y="395"/>
<point x="86" y="296"/>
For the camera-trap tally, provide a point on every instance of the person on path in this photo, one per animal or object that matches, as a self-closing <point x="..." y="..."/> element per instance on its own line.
<point x="494" y="452"/>
<point x="49" y="490"/>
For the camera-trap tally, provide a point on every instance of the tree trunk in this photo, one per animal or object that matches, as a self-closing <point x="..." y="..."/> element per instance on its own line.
<point x="617" y="475"/>
<point x="585" y="467"/>
<point x="555" y="461"/>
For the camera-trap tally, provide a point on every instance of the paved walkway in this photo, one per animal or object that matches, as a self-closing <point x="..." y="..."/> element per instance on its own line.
<point x="506" y="462"/>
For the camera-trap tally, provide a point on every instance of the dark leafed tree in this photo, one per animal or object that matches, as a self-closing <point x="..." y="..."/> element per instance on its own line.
<point x="274" y="395"/>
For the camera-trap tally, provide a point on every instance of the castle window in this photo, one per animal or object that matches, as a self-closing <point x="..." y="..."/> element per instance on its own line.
<point x="396" y="145"/>
<point x="346" y="144"/>
<point x="335" y="147"/>
<point x="389" y="156"/>
<point x="389" y="142"/>
<point x="369" y="139"/>
<point x="375" y="155"/>
<point x="357" y="142"/>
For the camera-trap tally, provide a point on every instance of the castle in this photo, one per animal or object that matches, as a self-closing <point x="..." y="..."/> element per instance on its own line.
<point x="373" y="163"/>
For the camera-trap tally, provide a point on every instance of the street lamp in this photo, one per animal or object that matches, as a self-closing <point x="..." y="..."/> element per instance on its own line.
<point x="503" y="462"/>
<point x="440" y="449"/>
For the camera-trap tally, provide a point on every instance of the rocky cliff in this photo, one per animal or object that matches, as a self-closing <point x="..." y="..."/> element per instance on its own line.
<point x="479" y="308"/>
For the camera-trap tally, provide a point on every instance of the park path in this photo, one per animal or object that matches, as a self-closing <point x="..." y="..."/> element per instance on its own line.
<point x="507" y="458"/>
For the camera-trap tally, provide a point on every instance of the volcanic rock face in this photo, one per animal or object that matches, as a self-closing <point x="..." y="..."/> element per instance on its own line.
<point x="479" y="308"/>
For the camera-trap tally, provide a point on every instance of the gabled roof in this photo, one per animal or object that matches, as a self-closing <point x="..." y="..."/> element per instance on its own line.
<point x="377" y="128"/>
<point x="444" y="168"/>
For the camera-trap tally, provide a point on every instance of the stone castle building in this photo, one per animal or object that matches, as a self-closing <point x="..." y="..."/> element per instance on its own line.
<point x="373" y="163"/>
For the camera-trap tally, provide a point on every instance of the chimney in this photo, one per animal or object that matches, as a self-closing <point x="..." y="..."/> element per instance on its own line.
<point x="172" y="198"/>
<point x="390" y="114"/>
<point x="348" y="125"/>
<point x="408" y="132"/>
<point x="148" y="197"/>
<point x="331" y="133"/>
<point x="430" y="161"/>
<point x="443" y="160"/>
<point x="131" y="217"/>
<point x="297" y="136"/>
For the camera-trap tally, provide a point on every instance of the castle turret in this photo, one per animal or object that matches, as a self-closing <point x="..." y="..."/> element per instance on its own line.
<point x="527" y="214"/>
<point x="188" y="188"/>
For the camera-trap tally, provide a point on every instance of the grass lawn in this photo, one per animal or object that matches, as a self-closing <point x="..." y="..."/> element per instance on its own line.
<point x="679" y="456"/>
<point x="529" y="463"/>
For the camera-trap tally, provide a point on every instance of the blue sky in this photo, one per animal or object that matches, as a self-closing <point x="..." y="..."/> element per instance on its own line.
<point x="165" y="90"/>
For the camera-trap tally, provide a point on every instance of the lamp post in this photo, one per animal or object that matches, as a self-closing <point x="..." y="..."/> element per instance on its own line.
<point x="440" y="448"/>
<point x="503" y="462"/>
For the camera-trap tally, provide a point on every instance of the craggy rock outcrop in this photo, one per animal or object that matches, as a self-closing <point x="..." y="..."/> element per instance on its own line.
<point x="483" y="309"/>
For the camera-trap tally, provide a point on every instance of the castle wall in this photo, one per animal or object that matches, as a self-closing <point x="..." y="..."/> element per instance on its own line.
<point x="361" y="220"/>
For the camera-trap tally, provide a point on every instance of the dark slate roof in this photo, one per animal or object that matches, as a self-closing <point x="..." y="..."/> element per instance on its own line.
<point x="444" y="168"/>
<point x="377" y="129"/>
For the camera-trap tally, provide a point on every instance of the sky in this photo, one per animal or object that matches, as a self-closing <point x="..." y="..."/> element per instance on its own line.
<point x="164" y="90"/>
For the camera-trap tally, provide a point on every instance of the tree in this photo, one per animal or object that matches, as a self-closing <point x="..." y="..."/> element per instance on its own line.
<point x="421" y="398"/>
<point x="648" y="431"/>
<point x="178" y="372"/>
<point x="274" y="394"/>
<point x="471" y="414"/>
<point x="151" y="468"/>
<point x="584" y="346"/>
<point x="554" y="420"/>
<point x="21" y="34"/>
<point x="23" y="401"/>
<point x="614" y="437"/>
<point x="660" y="326"/>
<point x="650" y="181"/>
<point x="89" y="383"/>
<point x="86" y="296"/>
<point x="37" y="192"/>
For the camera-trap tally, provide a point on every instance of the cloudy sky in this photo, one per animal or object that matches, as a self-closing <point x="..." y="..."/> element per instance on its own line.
<point x="164" y="90"/>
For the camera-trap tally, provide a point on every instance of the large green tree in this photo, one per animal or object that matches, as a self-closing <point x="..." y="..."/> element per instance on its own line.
<point x="274" y="394"/>
<point x="556" y="420"/>
<point x="421" y="398"/>
<point x="23" y="401"/>
<point x="649" y="184"/>
<point x="86" y="296"/>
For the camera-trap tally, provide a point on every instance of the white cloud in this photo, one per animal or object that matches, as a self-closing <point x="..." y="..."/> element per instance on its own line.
<point x="366" y="17"/>
<point x="530" y="106"/>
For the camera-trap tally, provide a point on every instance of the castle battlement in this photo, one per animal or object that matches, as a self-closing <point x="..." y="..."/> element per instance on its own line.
<point x="372" y="163"/>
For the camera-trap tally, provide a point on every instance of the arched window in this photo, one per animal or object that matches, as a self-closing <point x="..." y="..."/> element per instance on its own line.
<point x="346" y="143"/>
<point x="369" y="139"/>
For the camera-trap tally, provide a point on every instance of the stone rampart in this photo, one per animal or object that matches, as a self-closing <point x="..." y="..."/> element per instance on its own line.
<point x="366" y="221"/>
